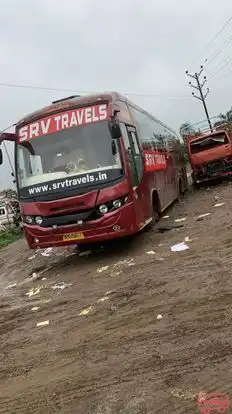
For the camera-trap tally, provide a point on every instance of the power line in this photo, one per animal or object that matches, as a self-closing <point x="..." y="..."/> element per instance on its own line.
<point x="6" y="129"/>
<point x="214" y="38"/>
<point x="222" y="65"/>
<point x="152" y="95"/>
<point x="8" y="156"/>
<point x="217" y="51"/>
<point x="5" y="147"/>
<point x="226" y="74"/>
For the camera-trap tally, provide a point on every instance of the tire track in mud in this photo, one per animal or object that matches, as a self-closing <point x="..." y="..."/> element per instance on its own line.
<point x="124" y="360"/>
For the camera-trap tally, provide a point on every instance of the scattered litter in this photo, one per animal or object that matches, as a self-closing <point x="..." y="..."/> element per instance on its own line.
<point x="102" y="269"/>
<point x="160" y="245"/>
<point x="47" y="252"/>
<point x="162" y="229"/>
<point x="180" y="247"/>
<point x="126" y="262"/>
<point x="165" y="217"/>
<point x="33" y="277"/>
<point x="150" y="252"/>
<point x="187" y="239"/>
<point x="203" y="216"/>
<point x="35" y="308"/>
<point x="86" y="311"/>
<point x="109" y="292"/>
<point x="61" y="286"/>
<point x="113" y="307"/>
<point x="159" y="317"/>
<point x="44" y="278"/>
<point x="32" y="257"/>
<point x="115" y="273"/>
<point x="33" y="292"/>
<point x="44" y="323"/>
<point x="180" y="219"/>
<point x="86" y="253"/>
<point x="219" y="204"/>
<point x="102" y="300"/>
<point x="11" y="286"/>
<point x="160" y="259"/>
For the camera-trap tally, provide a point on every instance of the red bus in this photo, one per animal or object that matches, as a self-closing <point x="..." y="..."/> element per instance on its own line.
<point x="93" y="168"/>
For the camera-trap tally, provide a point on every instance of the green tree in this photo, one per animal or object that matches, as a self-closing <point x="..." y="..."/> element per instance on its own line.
<point x="186" y="129"/>
<point x="224" y="119"/>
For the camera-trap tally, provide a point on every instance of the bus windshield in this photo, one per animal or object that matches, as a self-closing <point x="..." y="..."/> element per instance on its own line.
<point x="208" y="143"/>
<point x="75" y="157"/>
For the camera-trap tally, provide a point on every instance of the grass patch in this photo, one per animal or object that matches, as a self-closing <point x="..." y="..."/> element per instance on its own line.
<point x="9" y="235"/>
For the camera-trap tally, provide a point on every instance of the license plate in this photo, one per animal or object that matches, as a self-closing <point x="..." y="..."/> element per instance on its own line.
<point x="73" y="236"/>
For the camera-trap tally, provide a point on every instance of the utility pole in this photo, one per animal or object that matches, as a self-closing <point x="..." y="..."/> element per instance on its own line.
<point x="199" y="88"/>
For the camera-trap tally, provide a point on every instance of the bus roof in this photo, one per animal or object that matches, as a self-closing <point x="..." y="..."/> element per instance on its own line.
<point x="68" y="103"/>
<point x="79" y="101"/>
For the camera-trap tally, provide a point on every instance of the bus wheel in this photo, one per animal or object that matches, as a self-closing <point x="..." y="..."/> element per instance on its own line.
<point x="155" y="208"/>
<point x="180" y="190"/>
<point x="196" y="186"/>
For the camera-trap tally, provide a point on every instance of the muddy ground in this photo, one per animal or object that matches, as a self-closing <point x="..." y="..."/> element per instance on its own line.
<point x="116" y="356"/>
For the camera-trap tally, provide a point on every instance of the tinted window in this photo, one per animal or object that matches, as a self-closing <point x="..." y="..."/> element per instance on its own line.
<point x="135" y="143"/>
<point x="151" y="132"/>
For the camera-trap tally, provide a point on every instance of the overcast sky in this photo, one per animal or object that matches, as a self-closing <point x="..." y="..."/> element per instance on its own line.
<point x="130" y="46"/>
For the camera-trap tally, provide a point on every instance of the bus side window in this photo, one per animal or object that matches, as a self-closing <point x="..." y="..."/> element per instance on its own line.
<point x="137" y="154"/>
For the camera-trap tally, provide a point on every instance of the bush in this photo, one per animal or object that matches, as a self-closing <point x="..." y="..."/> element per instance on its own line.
<point x="8" y="235"/>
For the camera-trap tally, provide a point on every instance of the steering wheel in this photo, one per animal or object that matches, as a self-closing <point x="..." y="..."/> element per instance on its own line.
<point x="61" y="168"/>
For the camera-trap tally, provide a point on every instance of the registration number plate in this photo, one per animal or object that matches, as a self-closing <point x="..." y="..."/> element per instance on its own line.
<point x="73" y="236"/>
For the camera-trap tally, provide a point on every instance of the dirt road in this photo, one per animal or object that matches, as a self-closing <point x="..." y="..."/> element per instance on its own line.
<point x="104" y="350"/>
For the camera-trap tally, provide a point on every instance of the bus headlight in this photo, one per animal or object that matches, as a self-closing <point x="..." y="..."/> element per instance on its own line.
<point x="103" y="209"/>
<point x="39" y="220"/>
<point x="117" y="203"/>
<point x="29" y="219"/>
<point x="112" y="205"/>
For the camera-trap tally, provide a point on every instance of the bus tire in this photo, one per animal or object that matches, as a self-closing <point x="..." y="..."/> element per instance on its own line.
<point x="184" y="180"/>
<point x="181" y="189"/>
<point x="196" y="186"/>
<point x="155" y="208"/>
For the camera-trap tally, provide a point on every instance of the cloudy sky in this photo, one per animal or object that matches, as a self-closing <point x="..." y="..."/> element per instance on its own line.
<point x="140" y="49"/>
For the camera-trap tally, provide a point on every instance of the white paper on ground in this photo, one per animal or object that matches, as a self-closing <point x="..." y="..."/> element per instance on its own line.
<point x="203" y="215"/>
<point x="180" y="247"/>
<point x="219" y="204"/>
<point x="44" y="323"/>
<point x="180" y="219"/>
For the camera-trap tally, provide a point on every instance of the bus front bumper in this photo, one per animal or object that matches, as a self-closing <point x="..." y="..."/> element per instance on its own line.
<point x="112" y="225"/>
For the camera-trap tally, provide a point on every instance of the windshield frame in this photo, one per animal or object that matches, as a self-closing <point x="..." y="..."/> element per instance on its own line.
<point x="111" y="179"/>
<point x="214" y="137"/>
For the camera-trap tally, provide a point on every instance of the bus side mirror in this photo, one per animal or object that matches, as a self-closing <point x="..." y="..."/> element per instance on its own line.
<point x="1" y="157"/>
<point x="115" y="129"/>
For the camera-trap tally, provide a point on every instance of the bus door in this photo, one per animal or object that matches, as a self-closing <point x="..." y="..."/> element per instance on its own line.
<point x="136" y="166"/>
